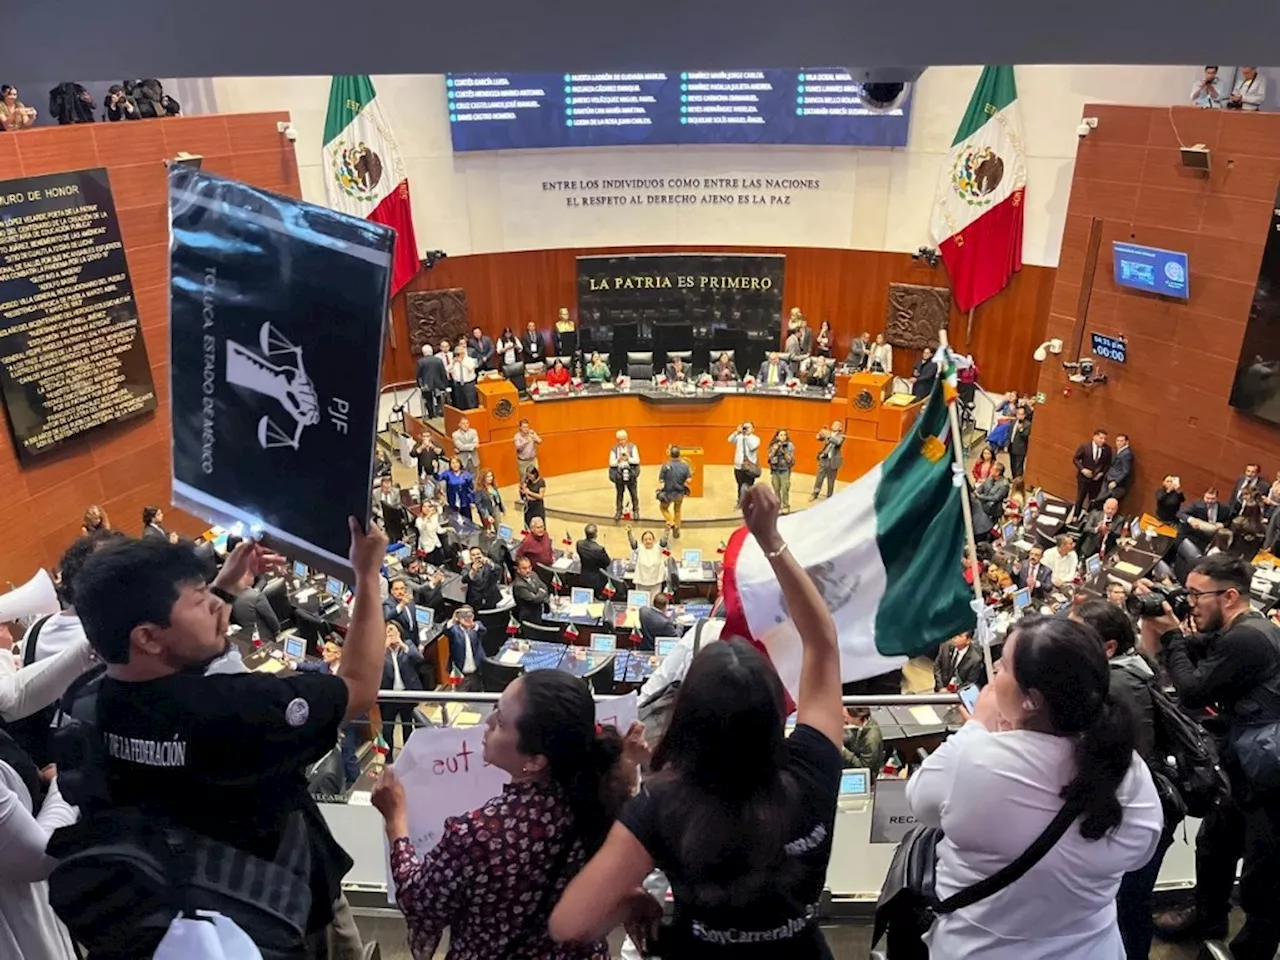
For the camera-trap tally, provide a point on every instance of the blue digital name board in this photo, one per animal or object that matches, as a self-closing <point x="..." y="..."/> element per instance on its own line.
<point x="1162" y="272"/>
<point x="816" y="105"/>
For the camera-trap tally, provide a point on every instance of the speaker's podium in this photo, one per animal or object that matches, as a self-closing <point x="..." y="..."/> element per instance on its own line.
<point x="874" y="413"/>
<point x="500" y="400"/>
<point x="695" y="457"/>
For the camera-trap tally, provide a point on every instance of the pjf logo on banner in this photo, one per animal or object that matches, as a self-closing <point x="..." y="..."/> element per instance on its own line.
<point x="275" y="370"/>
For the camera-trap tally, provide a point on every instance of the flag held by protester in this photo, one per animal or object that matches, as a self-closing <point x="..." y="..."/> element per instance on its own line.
<point x="978" y="211"/>
<point x="885" y="553"/>
<point x="363" y="172"/>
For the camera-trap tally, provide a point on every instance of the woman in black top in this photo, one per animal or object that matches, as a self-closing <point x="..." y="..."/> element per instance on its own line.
<point x="739" y="816"/>
<point x="488" y="499"/>
<point x="427" y="454"/>
<point x="533" y="489"/>
<point x="1169" y="500"/>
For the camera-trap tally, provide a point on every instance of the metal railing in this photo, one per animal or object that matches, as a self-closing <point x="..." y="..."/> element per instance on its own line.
<point x="870" y="700"/>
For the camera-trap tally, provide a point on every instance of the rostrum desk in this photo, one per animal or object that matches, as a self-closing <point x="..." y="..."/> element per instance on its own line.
<point x="577" y="428"/>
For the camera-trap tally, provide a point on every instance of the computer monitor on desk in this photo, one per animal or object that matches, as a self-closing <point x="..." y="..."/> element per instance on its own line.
<point x="691" y="559"/>
<point x="1021" y="599"/>
<point x="425" y="617"/>
<point x="300" y="570"/>
<point x="504" y="531"/>
<point x="333" y="587"/>
<point x="665" y="647"/>
<point x="1092" y="565"/>
<point x="637" y="598"/>
<point x="295" y="648"/>
<point x="579" y="596"/>
<point x="604" y="643"/>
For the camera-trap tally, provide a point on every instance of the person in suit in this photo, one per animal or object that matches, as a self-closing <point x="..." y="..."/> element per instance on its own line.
<point x="399" y="672"/>
<point x="481" y="348"/>
<point x="723" y="370"/>
<point x="992" y="491"/>
<point x="799" y="340"/>
<point x="1019" y="440"/>
<point x="481" y="579"/>
<point x="252" y="609"/>
<point x="494" y="547"/>
<point x="958" y="664"/>
<point x="1102" y="528"/>
<point x="858" y="348"/>
<point x="594" y="559"/>
<point x="821" y="372"/>
<point x="427" y="589"/>
<point x="1115" y="482"/>
<point x="531" y="341"/>
<point x="466" y="647"/>
<point x="830" y="458"/>
<point x="1251" y="479"/>
<point x="1201" y="521"/>
<point x="773" y="372"/>
<point x="678" y="371"/>
<point x="530" y="592"/>
<point x="1034" y="574"/>
<point x="152" y="518"/>
<point x="1091" y="460"/>
<point x="926" y="374"/>
<point x="656" y="622"/>
<point x="399" y="606"/>
<point x="433" y="381"/>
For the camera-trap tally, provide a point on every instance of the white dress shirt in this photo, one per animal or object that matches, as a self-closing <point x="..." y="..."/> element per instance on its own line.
<point x="428" y="532"/>
<point x="1252" y="92"/>
<point x="993" y="794"/>
<point x="746" y="448"/>
<point x="651" y="567"/>
<point x="675" y="664"/>
<point x="1062" y="568"/>
<point x="463" y="369"/>
<point x="60" y="631"/>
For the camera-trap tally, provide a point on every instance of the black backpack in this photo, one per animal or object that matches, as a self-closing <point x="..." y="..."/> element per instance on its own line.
<point x="1185" y="757"/>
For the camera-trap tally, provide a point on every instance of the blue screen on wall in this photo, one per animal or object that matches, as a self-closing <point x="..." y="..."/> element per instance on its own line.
<point x="1151" y="269"/>
<point x="819" y="105"/>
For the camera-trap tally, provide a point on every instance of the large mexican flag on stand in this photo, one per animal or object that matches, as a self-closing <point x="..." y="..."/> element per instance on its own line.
<point x="977" y="214"/>
<point x="886" y="553"/>
<point x="363" y="173"/>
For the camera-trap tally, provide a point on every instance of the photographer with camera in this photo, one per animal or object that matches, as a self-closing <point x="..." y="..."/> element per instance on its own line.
<point x="1232" y="664"/>
<point x="624" y="473"/>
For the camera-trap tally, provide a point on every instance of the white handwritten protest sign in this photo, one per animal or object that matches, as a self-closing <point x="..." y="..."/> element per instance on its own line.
<point x="445" y="775"/>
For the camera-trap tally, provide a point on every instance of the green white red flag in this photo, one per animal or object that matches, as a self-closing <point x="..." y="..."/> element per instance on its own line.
<point x="978" y="211"/>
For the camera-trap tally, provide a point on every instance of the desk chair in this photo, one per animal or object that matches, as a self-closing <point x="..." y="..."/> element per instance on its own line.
<point x="538" y="369"/>
<point x="551" y="633"/>
<point x="1186" y="559"/>
<point x="495" y="629"/>
<point x="311" y="628"/>
<point x="685" y="355"/>
<point x="600" y="679"/>
<point x="515" y="373"/>
<point x="277" y="593"/>
<point x="640" y="365"/>
<point x="496" y="677"/>
<point x="395" y="521"/>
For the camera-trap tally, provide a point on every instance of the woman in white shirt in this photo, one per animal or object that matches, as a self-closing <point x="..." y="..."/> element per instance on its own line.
<point x="429" y="527"/>
<point x="651" y="562"/>
<point x="1044" y="731"/>
<point x="880" y="359"/>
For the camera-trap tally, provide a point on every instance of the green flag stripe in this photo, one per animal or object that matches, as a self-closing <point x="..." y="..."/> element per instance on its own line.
<point x="348" y="95"/>
<point x="995" y="91"/>
<point x="920" y="533"/>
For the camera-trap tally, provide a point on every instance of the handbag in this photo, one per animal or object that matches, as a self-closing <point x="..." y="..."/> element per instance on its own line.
<point x="908" y="902"/>
<point x="751" y="469"/>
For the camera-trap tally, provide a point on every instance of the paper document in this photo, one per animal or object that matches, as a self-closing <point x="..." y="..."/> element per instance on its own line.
<point x="595" y="610"/>
<point x="925" y="715"/>
<point x="1129" y="568"/>
<point x="564" y="563"/>
<point x="1057" y="509"/>
<point x="511" y="658"/>
<point x="270" y="665"/>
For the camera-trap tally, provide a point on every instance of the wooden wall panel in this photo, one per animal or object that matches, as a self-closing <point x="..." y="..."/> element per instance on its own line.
<point x="1171" y="397"/>
<point x="125" y="466"/>
<point x="848" y="287"/>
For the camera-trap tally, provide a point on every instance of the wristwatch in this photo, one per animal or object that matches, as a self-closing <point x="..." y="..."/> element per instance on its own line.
<point x="226" y="596"/>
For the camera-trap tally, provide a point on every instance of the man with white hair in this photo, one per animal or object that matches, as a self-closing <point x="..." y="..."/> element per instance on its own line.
<point x="433" y="381"/>
<point x="624" y="473"/>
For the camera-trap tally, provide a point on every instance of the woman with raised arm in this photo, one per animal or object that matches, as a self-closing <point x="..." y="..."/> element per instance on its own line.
<point x="739" y="816"/>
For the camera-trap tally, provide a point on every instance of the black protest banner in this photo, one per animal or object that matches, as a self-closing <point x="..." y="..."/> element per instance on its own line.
<point x="277" y="321"/>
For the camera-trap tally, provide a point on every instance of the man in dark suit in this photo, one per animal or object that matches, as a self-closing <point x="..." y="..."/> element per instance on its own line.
<point x="1115" y="483"/>
<point x="399" y="672"/>
<point x="1202" y="520"/>
<point x="1033" y="573"/>
<point x="655" y="623"/>
<point x="993" y="491"/>
<point x="1092" y="460"/>
<point x="531" y="340"/>
<point x="425" y="588"/>
<point x="481" y="579"/>
<point x="595" y="560"/>
<point x="530" y="592"/>
<point x="959" y="663"/>
<point x="433" y="381"/>
<point x="466" y="647"/>
<point x="1102" y="528"/>
<point x="481" y="348"/>
<point x="1251" y="479"/>
<point x="773" y="372"/>
<point x="152" y="518"/>
<point x="400" y="608"/>
<point x="1019" y="440"/>
<point x="252" y="609"/>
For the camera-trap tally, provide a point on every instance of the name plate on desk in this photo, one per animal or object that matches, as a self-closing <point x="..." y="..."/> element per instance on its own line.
<point x="890" y="813"/>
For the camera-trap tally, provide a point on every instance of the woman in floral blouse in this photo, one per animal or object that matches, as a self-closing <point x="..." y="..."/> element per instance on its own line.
<point x="497" y="872"/>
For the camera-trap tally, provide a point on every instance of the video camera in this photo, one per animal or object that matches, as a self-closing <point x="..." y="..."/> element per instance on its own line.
<point x="1151" y="604"/>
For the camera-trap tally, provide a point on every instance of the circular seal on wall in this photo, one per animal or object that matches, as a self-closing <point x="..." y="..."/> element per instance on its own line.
<point x="357" y="170"/>
<point x="503" y="409"/>
<point x="864" y="400"/>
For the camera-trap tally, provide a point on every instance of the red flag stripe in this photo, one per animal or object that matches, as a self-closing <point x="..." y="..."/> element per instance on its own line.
<point x="983" y="256"/>
<point x="395" y="211"/>
<point x="735" y="618"/>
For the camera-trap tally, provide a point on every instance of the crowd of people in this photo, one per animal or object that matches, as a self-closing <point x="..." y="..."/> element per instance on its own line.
<point x="72" y="103"/>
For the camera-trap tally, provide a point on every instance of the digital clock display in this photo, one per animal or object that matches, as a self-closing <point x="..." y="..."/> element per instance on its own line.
<point x="1109" y="348"/>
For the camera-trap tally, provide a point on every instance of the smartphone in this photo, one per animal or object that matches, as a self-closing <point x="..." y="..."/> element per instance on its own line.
<point x="969" y="696"/>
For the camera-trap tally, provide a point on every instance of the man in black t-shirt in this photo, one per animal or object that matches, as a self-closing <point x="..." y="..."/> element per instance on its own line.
<point x="223" y="755"/>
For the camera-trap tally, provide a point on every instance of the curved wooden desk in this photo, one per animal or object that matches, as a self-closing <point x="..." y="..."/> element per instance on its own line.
<point x="578" y="430"/>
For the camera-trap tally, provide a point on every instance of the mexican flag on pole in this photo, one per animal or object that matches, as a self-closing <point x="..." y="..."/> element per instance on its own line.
<point x="364" y="175"/>
<point x="885" y="553"/>
<point x="977" y="214"/>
